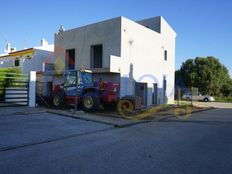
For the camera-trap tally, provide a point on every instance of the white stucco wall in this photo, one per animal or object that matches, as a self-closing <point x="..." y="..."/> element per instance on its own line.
<point x="36" y="62"/>
<point x="142" y="50"/>
<point x="6" y="62"/>
<point x="169" y="43"/>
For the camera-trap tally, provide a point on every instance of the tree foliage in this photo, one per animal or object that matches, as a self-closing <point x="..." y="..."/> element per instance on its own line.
<point x="207" y="74"/>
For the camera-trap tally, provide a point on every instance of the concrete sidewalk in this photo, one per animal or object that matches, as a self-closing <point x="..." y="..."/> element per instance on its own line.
<point x="99" y="118"/>
<point x="215" y="104"/>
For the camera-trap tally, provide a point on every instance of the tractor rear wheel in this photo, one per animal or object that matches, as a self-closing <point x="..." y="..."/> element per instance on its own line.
<point x="90" y="102"/>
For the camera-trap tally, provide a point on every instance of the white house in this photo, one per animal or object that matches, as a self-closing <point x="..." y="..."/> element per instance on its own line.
<point x="30" y="59"/>
<point x="138" y="55"/>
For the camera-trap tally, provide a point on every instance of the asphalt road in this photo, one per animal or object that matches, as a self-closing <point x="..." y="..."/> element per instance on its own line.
<point x="47" y="143"/>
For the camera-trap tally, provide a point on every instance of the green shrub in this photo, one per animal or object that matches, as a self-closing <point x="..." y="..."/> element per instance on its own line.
<point x="4" y="81"/>
<point x="223" y="99"/>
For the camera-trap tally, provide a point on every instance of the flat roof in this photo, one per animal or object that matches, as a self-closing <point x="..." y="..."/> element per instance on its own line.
<point x="19" y="52"/>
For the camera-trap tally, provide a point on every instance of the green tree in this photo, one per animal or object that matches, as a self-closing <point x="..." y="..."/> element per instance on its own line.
<point x="226" y="88"/>
<point x="205" y="73"/>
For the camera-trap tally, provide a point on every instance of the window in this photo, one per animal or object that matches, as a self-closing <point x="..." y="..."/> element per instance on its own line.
<point x="165" y="55"/>
<point x="96" y="56"/>
<point x="70" y="81"/>
<point x="86" y="78"/>
<point x="16" y="62"/>
<point x="70" y="59"/>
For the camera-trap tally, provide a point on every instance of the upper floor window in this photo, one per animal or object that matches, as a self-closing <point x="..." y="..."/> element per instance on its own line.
<point x="165" y="55"/>
<point x="96" y="56"/>
<point x="70" y="59"/>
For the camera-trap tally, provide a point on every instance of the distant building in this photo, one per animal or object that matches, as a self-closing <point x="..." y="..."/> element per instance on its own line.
<point x="138" y="55"/>
<point x="30" y="59"/>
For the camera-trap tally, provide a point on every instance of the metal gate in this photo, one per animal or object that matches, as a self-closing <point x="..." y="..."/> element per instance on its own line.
<point x="14" y="89"/>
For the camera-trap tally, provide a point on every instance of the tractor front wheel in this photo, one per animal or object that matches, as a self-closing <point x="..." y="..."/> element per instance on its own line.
<point x="57" y="100"/>
<point x="90" y="102"/>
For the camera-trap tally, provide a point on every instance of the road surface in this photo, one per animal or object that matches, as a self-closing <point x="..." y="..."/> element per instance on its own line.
<point x="48" y="143"/>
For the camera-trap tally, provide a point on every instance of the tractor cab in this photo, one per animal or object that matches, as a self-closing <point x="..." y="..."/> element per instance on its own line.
<point x="83" y="78"/>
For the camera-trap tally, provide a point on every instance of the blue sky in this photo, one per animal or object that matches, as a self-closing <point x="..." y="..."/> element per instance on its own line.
<point x="204" y="27"/>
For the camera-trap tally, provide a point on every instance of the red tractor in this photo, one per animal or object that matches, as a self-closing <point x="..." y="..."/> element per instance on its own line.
<point x="79" y="88"/>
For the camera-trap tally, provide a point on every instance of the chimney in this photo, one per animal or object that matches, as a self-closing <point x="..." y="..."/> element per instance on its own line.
<point x="12" y="49"/>
<point x="43" y="42"/>
<point x="61" y="29"/>
<point x="8" y="48"/>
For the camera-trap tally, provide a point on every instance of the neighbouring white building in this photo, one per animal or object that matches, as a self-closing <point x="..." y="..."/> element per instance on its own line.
<point x="139" y="55"/>
<point x="31" y="59"/>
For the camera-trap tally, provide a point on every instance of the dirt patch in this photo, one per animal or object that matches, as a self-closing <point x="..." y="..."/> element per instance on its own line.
<point x="155" y="112"/>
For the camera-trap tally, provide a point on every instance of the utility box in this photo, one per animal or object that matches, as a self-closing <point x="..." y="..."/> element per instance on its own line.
<point x="138" y="103"/>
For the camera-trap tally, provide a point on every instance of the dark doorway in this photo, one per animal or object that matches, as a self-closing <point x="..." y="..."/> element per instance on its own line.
<point x="141" y="90"/>
<point x="70" y="59"/>
<point x="164" y="90"/>
<point x="96" y="56"/>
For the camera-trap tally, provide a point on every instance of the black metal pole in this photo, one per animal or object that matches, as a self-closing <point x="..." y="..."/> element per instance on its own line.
<point x="76" y="91"/>
<point x="178" y="96"/>
<point x="191" y="96"/>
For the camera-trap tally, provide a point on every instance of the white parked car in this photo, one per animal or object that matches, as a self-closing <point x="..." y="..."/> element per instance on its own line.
<point x="199" y="97"/>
